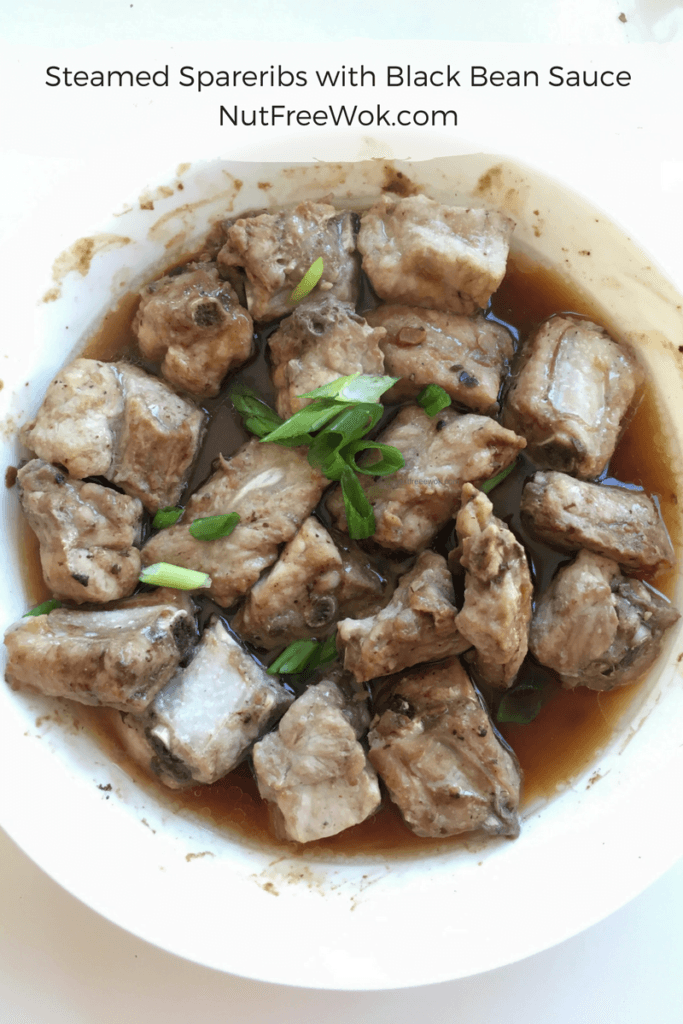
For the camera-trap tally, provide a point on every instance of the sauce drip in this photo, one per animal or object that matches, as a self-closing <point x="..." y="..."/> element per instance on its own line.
<point x="572" y="727"/>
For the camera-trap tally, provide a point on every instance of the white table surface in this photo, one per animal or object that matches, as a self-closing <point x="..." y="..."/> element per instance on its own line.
<point x="61" y="962"/>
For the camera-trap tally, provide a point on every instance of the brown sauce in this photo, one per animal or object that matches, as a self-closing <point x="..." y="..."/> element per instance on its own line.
<point x="572" y="727"/>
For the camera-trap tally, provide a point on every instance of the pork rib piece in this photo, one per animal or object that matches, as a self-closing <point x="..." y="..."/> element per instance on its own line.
<point x="273" y="489"/>
<point x="313" y="770"/>
<point x="310" y="587"/>
<point x="597" y="628"/>
<point x="191" y="321"/>
<point x="319" y="342"/>
<point x="86" y="534"/>
<point x="418" y="624"/>
<point x="496" y="614"/>
<point x="612" y="521"/>
<point x="423" y="253"/>
<point x="441" y="454"/>
<point x="467" y="357"/>
<point x="276" y="250"/>
<point x="119" y="657"/>
<point x="442" y="761"/>
<point x="573" y="387"/>
<point x="116" y="421"/>
<point x="205" y="720"/>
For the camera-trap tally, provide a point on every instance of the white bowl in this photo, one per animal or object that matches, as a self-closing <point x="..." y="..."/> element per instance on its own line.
<point x="192" y="887"/>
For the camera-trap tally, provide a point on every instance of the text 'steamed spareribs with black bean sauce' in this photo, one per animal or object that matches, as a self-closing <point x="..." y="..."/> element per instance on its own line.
<point x="398" y="607"/>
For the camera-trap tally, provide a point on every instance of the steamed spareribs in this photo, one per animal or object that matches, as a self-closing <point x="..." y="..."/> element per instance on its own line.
<point x="496" y="612"/>
<point x="273" y="490"/>
<point x="418" y="624"/>
<point x="312" y="585"/>
<point x="467" y="357"/>
<point x="320" y="341"/>
<point x="276" y="250"/>
<point x="191" y="321"/>
<point x="616" y="522"/>
<point x="116" y="421"/>
<point x="313" y="770"/>
<point x="86" y="533"/>
<point x="203" y="723"/>
<point x="569" y="397"/>
<point x="422" y="253"/>
<point x="441" y="454"/>
<point x="120" y="657"/>
<point x="440" y="757"/>
<point x="597" y="628"/>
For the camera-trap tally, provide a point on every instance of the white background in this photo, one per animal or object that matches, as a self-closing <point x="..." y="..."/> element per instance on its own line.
<point x="58" y="960"/>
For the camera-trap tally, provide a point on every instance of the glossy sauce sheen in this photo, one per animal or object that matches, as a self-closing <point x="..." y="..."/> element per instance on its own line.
<point x="572" y="727"/>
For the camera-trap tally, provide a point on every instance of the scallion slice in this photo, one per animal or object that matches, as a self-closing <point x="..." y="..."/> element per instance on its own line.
<point x="214" y="527"/>
<point x="163" y="574"/>
<point x="308" y="281"/>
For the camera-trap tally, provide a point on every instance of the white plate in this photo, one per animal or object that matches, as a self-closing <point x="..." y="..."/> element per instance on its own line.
<point x="368" y="922"/>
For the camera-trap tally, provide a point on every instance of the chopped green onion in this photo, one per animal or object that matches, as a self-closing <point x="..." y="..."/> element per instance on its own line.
<point x="523" y="702"/>
<point x="214" y="527"/>
<point x="308" y="281"/>
<point x="356" y="387"/>
<point x="258" y="417"/>
<point x="359" y="514"/>
<point x="294" y="658"/>
<point x="44" y="608"/>
<point x="433" y="399"/>
<point x="163" y="574"/>
<point x="311" y="417"/>
<point x="304" y="656"/>
<point x="166" y="517"/>
<point x="488" y="485"/>
<point x="519" y="706"/>
<point x="391" y="460"/>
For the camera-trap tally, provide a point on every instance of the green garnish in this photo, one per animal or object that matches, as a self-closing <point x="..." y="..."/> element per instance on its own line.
<point x="359" y="514"/>
<point x="304" y="656"/>
<point x="163" y="574"/>
<point x="44" y="608"/>
<point x="357" y="387"/>
<point x="433" y="399"/>
<point x="258" y="417"/>
<point x="488" y="485"/>
<point x="214" y="527"/>
<point x="166" y="517"/>
<point x="523" y="702"/>
<point x="333" y="426"/>
<point x="308" y="281"/>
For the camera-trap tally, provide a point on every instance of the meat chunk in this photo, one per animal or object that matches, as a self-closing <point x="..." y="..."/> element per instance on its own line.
<point x="597" y="628"/>
<point x="203" y="723"/>
<point x="273" y="489"/>
<point x="313" y="770"/>
<point x="569" y="397"/>
<point x="616" y="522"/>
<point x="116" y="421"/>
<point x="441" y="454"/>
<point x="120" y="657"/>
<point x="276" y="250"/>
<point x="86" y="534"/>
<point x="319" y="342"/>
<point x="496" y="613"/>
<point x="467" y="357"/>
<point x="422" y="253"/>
<point x="191" y="321"/>
<point x="417" y="625"/>
<point x="442" y="761"/>
<point x="310" y="587"/>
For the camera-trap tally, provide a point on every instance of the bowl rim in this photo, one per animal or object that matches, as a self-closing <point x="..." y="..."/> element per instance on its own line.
<point x="165" y="884"/>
